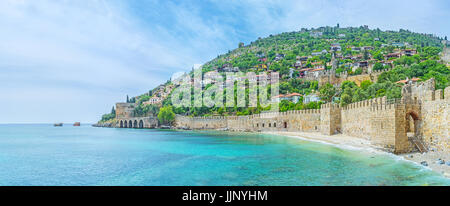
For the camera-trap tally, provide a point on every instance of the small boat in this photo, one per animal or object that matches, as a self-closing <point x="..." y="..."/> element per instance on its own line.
<point x="58" y="124"/>
<point x="77" y="124"/>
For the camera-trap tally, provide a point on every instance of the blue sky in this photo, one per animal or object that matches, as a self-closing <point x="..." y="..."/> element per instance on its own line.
<point x="66" y="61"/>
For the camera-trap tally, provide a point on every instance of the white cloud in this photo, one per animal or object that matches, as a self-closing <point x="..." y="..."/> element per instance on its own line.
<point x="76" y="58"/>
<point x="80" y="47"/>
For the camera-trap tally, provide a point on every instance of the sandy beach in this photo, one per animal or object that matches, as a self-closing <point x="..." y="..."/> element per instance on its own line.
<point x="431" y="158"/>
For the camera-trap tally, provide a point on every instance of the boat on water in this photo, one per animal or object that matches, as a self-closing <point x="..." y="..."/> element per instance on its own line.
<point x="58" y="124"/>
<point x="77" y="124"/>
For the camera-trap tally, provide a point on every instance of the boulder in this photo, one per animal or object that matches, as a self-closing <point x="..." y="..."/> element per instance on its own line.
<point x="440" y="161"/>
<point x="424" y="163"/>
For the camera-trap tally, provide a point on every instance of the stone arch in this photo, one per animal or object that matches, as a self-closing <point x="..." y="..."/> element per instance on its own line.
<point x="125" y="124"/>
<point x="141" y="124"/>
<point x="130" y="124"/>
<point x="285" y="125"/>
<point x="413" y="124"/>
<point x="135" y="124"/>
<point x="121" y="124"/>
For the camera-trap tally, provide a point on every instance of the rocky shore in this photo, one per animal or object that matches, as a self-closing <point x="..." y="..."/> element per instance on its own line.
<point x="436" y="160"/>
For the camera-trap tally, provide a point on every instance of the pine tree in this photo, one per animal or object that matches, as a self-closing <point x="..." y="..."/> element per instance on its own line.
<point x="113" y="111"/>
<point x="128" y="99"/>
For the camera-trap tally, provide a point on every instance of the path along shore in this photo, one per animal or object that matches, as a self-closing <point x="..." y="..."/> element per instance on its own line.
<point x="349" y="142"/>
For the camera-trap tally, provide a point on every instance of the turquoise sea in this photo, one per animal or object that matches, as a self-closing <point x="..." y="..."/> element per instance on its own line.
<point x="47" y="155"/>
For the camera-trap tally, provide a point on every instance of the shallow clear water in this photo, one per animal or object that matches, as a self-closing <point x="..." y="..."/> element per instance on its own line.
<point x="47" y="155"/>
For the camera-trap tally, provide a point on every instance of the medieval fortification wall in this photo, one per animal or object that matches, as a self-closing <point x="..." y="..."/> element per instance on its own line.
<point x="422" y="113"/>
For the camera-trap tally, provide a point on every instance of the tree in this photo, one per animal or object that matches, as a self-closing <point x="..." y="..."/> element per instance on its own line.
<point x="128" y="99"/>
<point x="346" y="99"/>
<point x="166" y="115"/>
<point x="366" y="54"/>
<point x="365" y="84"/>
<point x="327" y="92"/>
<point x="113" y="111"/>
<point x="378" y="66"/>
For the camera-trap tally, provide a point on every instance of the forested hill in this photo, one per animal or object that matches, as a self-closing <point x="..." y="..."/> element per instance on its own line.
<point x="301" y="56"/>
<point x="309" y="41"/>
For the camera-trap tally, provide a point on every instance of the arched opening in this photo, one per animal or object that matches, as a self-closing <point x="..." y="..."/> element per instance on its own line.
<point x="274" y="124"/>
<point x="125" y="124"/>
<point x="270" y="124"/>
<point x="141" y="124"/>
<point x="121" y="123"/>
<point x="412" y="124"/>
<point x="130" y="124"/>
<point x="135" y="124"/>
<point x="285" y="124"/>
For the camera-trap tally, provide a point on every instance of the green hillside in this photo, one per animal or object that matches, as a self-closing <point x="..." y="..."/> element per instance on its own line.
<point x="351" y="51"/>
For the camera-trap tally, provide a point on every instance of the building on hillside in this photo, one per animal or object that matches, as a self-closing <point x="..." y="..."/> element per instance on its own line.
<point x="311" y="98"/>
<point x="407" y="80"/>
<point x="261" y="55"/>
<point x="316" y="34"/>
<point x="335" y="47"/>
<point x="319" y="53"/>
<point x="298" y="64"/>
<point x="291" y="72"/>
<point x="303" y="58"/>
<point x="153" y="100"/>
<point x="362" y="64"/>
<point x="393" y="55"/>
<point x="293" y="97"/>
<point x="341" y="35"/>
<point x="279" y="57"/>
<point x="408" y="52"/>
<point x="356" y="49"/>
<point x="398" y="44"/>
<point x="229" y="68"/>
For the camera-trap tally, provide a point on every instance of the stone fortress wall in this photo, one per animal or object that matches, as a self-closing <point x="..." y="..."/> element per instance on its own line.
<point x="420" y="120"/>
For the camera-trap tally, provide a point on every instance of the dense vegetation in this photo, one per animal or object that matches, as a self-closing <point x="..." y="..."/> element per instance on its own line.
<point x="281" y="52"/>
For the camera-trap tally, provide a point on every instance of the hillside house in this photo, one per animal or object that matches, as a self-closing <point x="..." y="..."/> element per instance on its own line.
<point x="393" y="55"/>
<point x="311" y="98"/>
<point x="279" y="57"/>
<point x="408" y="52"/>
<point x="316" y="34"/>
<point x="407" y="80"/>
<point x="356" y="49"/>
<point x="298" y="64"/>
<point x="293" y="97"/>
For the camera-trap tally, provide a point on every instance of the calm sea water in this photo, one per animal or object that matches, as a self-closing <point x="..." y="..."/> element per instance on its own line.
<point x="47" y="155"/>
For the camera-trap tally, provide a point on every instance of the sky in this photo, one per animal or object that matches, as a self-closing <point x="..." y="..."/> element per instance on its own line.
<point x="71" y="60"/>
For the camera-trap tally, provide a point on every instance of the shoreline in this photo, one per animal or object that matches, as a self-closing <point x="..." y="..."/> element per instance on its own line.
<point x="355" y="143"/>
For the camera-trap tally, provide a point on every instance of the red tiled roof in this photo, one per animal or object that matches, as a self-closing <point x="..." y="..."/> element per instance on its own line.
<point x="405" y="81"/>
<point x="318" y="69"/>
<point x="293" y="94"/>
